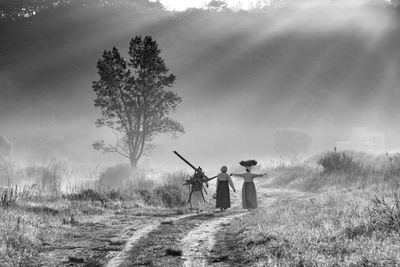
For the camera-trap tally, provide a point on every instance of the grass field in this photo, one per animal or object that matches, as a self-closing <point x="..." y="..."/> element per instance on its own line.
<point x="351" y="217"/>
<point x="38" y="215"/>
<point x="349" y="214"/>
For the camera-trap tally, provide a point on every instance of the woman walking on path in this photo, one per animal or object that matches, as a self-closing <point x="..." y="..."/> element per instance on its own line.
<point x="196" y="197"/>
<point x="223" y="183"/>
<point x="249" y="194"/>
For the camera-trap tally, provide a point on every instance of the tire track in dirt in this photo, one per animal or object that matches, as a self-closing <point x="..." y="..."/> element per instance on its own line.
<point x="199" y="243"/>
<point x="122" y="257"/>
<point x="186" y="240"/>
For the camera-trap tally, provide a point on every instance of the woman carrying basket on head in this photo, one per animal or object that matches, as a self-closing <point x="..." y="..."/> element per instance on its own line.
<point x="249" y="194"/>
<point x="223" y="182"/>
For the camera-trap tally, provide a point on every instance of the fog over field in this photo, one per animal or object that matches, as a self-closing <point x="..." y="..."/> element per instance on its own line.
<point x="321" y="68"/>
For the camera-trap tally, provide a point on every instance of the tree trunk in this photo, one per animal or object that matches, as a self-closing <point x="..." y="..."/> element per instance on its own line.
<point x="134" y="162"/>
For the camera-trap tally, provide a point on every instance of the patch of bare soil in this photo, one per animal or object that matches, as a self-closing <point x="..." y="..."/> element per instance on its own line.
<point x="161" y="247"/>
<point x="93" y="243"/>
<point x="145" y="237"/>
<point x="198" y="243"/>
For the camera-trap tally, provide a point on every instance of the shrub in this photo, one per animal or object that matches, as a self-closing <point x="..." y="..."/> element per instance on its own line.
<point x="166" y="195"/>
<point x="170" y="195"/>
<point x="114" y="177"/>
<point x="87" y="195"/>
<point x="290" y="175"/>
<point x="115" y="195"/>
<point x="385" y="216"/>
<point x="338" y="162"/>
<point x="145" y="195"/>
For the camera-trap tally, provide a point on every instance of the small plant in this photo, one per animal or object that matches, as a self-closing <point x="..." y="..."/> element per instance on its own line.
<point x="385" y="216"/>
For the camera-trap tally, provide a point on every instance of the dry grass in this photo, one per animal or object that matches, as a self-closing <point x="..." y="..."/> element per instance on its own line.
<point x="60" y="197"/>
<point x="352" y="218"/>
<point x="25" y="227"/>
<point x="338" y="228"/>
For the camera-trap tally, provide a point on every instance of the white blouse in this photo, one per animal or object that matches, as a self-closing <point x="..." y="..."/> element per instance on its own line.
<point x="248" y="176"/>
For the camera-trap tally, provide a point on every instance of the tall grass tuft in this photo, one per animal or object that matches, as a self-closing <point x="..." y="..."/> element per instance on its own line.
<point x="8" y="197"/>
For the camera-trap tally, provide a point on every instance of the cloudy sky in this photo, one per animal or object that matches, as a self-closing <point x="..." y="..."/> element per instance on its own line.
<point x="242" y="75"/>
<point x="181" y="5"/>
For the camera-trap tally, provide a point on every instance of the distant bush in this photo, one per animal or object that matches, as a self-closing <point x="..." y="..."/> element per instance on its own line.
<point x="290" y="175"/>
<point x="164" y="195"/>
<point x="173" y="193"/>
<point x="338" y="162"/>
<point x="47" y="176"/>
<point x="170" y="195"/>
<point x="116" y="195"/>
<point x="87" y="195"/>
<point x="115" y="177"/>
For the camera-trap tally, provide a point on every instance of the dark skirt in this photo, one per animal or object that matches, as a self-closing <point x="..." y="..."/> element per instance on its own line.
<point x="249" y="196"/>
<point x="223" y="197"/>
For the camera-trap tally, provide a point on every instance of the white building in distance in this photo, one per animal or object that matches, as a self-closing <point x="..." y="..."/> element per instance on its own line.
<point x="363" y="140"/>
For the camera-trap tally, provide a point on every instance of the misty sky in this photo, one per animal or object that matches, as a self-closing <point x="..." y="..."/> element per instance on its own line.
<point x="182" y="5"/>
<point x="241" y="75"/>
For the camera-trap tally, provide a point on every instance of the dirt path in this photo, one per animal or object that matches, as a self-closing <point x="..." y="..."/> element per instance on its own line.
<point x="123" y="256"/>
<point x="188" y="240"/>
<point x="137" y="239"/>
<point x="197" y="246"/>
<point x="198" y="243"/>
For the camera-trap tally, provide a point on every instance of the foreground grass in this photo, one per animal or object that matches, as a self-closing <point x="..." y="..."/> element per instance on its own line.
<point x="26" y="227"/>
<point x="29" y="224"/>
<point x="350" y="218"/>
<point x="335" y="228"/>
